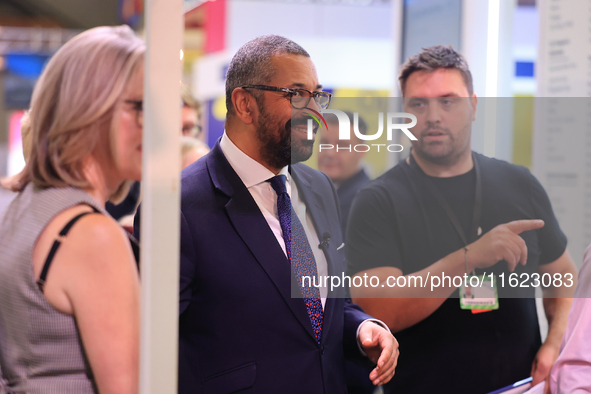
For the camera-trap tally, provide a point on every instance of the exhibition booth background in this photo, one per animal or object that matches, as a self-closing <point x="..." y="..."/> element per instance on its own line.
<point x="514" y="48"/>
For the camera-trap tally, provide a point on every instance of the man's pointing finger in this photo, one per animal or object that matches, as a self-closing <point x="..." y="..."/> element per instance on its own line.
<point x="519" y="226"/>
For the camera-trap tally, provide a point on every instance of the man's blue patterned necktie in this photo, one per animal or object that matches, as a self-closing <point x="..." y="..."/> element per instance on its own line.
<point x="299" y="253"/>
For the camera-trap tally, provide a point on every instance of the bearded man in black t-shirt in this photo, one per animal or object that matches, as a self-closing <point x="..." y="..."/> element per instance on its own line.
<point x="447" y="211"/>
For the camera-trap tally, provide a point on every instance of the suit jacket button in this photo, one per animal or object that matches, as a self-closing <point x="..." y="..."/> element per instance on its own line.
<point x="322" y="350"/>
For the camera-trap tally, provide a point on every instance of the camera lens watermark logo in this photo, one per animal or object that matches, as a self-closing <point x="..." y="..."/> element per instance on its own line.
<point x="344" y="124"/>
<point x="317" y="116"/>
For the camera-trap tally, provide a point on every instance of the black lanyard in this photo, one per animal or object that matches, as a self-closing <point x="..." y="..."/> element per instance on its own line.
<point x="474" y="230"/>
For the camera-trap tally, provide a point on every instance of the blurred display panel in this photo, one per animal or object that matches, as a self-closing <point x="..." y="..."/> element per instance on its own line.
<point x="562" y="128"/>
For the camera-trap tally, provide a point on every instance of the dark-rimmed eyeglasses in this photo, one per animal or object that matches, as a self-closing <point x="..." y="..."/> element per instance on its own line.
<point x="299" y="97"/>
<point x="138" y="108"/>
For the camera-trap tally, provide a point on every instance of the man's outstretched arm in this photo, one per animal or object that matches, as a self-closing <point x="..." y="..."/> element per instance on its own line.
<point x="402" y="307"/>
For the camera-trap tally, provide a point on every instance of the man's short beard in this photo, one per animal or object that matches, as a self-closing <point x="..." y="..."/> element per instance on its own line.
<point x="280" y="153"/>
<point x="454" y="153"/>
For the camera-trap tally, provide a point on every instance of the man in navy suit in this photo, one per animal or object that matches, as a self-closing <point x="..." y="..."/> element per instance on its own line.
<point x="241" y="330"/>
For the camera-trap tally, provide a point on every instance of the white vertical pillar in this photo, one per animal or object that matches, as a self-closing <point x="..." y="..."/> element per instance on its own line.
<point x="397" y="40"/>
<point x="160" y="197"/>
<point x="487" y="27"/>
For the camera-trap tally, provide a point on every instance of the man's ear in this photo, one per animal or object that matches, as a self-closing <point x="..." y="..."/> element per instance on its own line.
<point x="474" y="101"/>
<point x="244" y="105"/>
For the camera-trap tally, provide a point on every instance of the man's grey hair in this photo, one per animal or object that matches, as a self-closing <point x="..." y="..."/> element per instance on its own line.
<point x="435" y="58"/>
<point x="251" y="65"/>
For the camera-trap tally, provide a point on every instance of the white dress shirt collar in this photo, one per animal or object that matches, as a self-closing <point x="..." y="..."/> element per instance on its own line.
<point x="250" y="171"/>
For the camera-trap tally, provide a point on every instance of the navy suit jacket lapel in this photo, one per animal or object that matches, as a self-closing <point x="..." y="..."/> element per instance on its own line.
<point x="251" y="226"/>
<point x="308" y="192"/>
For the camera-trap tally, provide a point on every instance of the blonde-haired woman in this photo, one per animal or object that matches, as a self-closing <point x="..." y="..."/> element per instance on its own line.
<point x="69" y="287"/>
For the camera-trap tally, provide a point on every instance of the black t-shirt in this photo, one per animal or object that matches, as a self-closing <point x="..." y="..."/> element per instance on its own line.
<point x="396" y="221"/>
